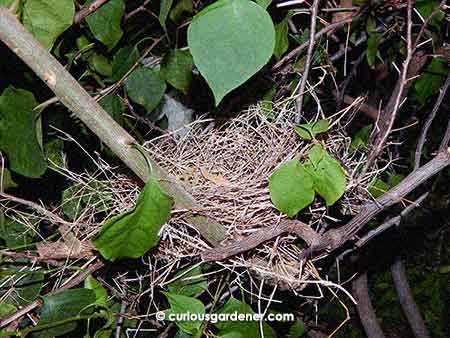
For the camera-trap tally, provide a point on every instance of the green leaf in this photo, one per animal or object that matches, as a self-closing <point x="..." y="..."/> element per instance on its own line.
<point x="373" y="42"/>
<point x="101" y="296"/>
<point x="426" y="7"/>
<point x="297" y="329"/>
<point x="47" y="19"/>
<point x="230" y="41"/>
<point x="15" y="234"/>
<point x="6" y="309"/>
<point x="327" y="174"/>
<point x="53" y="150"/>
<point x="249" y="329"/>
<point x="176" y="69"/>
<point x="63" y="305"/>
<point x="182" y="9"/>
<point x="308" y="131"/>
<point x="134" y="232"/>
<point x="281" y="37"/>
<point x="180" y="304"/>
<point x="431" y="80"/>
<point x="6" y="181"/>
<point x="264" y="3"/>
<point x="291" y="188"/>
<point x="114" y="105"/>
<point x="104" y="23"/>
<point x="191" y="283"/>
<point x="164" y="12"/>
<point x="18" y="132"/>
<point x="124" y="59"/>
<point x="145" y="87"/>
<point x="361" y="138"/>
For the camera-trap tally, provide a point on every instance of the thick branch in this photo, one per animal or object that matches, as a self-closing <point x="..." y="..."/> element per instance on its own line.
<point x="301" y="229"/>
<point x="76" y="99"/>
<point x="406" y="299"/>
<point x="365" y="309"/>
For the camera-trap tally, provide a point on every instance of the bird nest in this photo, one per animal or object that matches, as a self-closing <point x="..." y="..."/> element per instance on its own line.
<point x="226" y="169"/>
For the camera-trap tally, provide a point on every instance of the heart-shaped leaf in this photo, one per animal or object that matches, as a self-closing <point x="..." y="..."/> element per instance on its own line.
<point x="308" y="131"/>
<point x="134" y="232"/>
<point x="230" y="41"/>
<point x="291" y="188"/>
<point x="180" y="304"/>
<point x="327" y="174"/>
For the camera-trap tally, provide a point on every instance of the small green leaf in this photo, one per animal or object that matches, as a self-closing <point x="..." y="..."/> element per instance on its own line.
<point x="297" y="329"/>
<point x="6" y="309"/>
<point x="431" y="80"/>
<point x="47" y="19"/>
<point x="104" y="23"/>
<point x="132" y="233"/>
<point x="230" y="40"/>
<point x="124" y="59"/>
<point x="327" y="174"/>
<point x="249" y="329"/>
<point x="291" y="188"/>
<point x="373" y="42"/>
<point x="308" y="131"/>
<point x="145" y="87"/>
<point x="281" y="37"/>
<point x="101" y="296"/>
<point x="378" y="187"/>
<point x="426" y="7"/>
<point x="114" y="105"/>
<point x="184" y="8"/>
<point x="191" y="283"/>
<point x="18" y="132"/>
<point x="6" y="181"/>
<point x="361" y="138"/>
<point x="176" y="69"/>
<point x="54" y="151"/>
<point x="164" y="12"/>
<point x="63" y="305"/>
<point x="180" y="304"/>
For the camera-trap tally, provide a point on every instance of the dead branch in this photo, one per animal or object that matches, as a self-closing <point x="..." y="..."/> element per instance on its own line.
<point x="409" y="306"/>
<point x="301" y="229"/>
<point x="365" y="309"/>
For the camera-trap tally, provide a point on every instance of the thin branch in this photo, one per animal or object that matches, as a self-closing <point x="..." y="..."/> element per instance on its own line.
<point x="309" y="58"/>
<point x="136" y="10"/>
<point x="296" y="51"/>
<point x="302" y="230"/>
<point x="76" y="99"/>
<point x="365" y="309"/>
<point x="428" y="122"/>
<point x="87" y="10"/>
<point x="409" y="306"/>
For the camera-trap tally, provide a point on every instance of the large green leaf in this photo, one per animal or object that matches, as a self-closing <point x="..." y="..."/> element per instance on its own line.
<point x="176" y="69"/>
<point x="230" y="41"/>
<point x="180" y="304"/>
<point x="327" y="174"/>
<point x="18" y="132"/>
<point x="164" y="12"/>
<point x="104" y="23"/>
<point x="249" y="329"/>
<point x="291" y="188"/>
<point x="146" y="87"/>
<point x="47" y="19"/>
<point x="63" y="305"/>
<point x="190" y="283"/>
<point x="134" y="232"/>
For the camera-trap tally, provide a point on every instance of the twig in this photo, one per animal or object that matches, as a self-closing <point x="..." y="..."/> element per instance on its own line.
<point x="87" y="10"/>
<point x="75" y="97"/>
<point x="426" y="127"/>
<point x="309" y="59"/>
<point x="136" y="10"/>
<point x="74" y="282"/>
<point x="365" y="309"/>
<point x="409" y="306"/>
<point x="291" y="55"/>
<point x="302" y="230"/>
